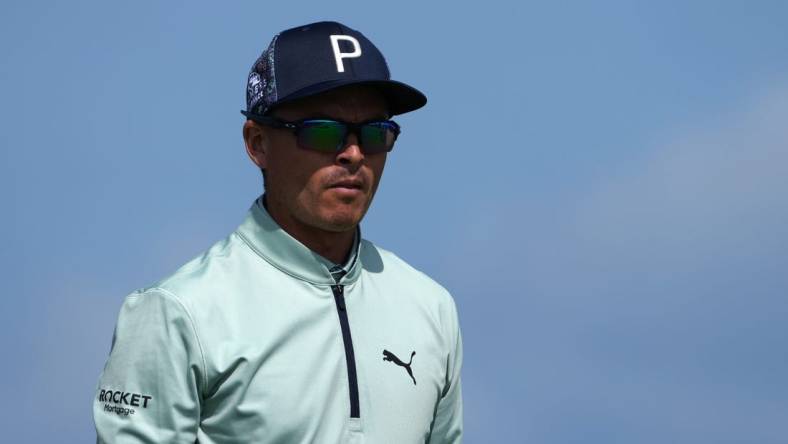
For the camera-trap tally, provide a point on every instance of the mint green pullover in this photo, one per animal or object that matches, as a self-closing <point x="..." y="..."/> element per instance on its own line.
<point x="254" y="342"/>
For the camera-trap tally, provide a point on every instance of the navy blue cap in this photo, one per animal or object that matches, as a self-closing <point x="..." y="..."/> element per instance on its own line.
<point x="318" y="57"/>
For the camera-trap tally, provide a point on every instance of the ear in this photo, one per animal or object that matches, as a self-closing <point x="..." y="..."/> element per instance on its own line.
<point x="256" y="140"/>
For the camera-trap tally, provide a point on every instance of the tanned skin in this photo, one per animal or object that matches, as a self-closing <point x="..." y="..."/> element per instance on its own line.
<point x="319" y="198"/>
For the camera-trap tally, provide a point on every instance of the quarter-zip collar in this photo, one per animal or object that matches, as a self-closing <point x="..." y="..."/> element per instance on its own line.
<point x="338" y="270"/>
<point x="277" y="247"/>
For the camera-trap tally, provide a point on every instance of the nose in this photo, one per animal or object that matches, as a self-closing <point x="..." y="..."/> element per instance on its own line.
<point x="351" y="154"/>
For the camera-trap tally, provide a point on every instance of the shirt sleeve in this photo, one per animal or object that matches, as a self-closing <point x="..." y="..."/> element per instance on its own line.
<point x="447" y="424"/>
<point x="151" y="385"/>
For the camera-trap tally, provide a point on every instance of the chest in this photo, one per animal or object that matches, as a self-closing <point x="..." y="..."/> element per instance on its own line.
<point x="308" y="363"/>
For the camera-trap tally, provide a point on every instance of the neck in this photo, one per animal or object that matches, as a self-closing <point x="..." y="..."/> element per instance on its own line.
<point x="332" y="245"/>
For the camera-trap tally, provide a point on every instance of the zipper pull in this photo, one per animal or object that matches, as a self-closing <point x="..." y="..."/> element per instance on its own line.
<point x="338" y="295"/>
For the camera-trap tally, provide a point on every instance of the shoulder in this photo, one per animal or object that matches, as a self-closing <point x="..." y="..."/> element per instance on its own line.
<point x="395" y="272"/>
<point x="386" y="263"/>
<point x="205" y="283"/>
<point x="217" y="267"/>
<point x="199" y="267"/>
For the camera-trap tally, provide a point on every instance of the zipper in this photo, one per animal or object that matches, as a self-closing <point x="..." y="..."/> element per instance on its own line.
<point x="339" y="299"/>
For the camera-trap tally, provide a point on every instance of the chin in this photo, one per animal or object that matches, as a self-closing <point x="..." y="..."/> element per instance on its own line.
<point x="340" y="221"/>
<point x="339" y="213"/>
<point x="341" y="216"/>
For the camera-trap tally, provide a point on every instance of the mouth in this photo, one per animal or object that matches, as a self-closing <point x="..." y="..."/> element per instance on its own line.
<point x="348" y="190"/>
<point x="348" y="184"/>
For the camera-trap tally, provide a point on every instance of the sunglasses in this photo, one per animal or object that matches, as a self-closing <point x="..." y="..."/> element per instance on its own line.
<point x="329" y="136"/>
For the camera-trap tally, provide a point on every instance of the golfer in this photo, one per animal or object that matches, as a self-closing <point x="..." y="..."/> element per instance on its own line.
<point x="294" y="328"/>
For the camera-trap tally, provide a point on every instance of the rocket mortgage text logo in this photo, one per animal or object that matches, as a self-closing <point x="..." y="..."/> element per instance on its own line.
<point x="123" y="403"/>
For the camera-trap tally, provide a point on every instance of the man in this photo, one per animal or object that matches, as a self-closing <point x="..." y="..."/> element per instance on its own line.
<point x="294" y="329"/>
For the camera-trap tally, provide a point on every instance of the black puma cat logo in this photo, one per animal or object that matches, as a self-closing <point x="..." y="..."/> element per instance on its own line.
<point x="389" y="356"/>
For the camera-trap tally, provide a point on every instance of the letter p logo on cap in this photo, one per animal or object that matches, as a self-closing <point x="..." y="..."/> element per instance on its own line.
<point x="339" y="55"/>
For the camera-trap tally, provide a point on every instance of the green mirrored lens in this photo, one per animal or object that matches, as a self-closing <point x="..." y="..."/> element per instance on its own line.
<point x="321" y="135"/>
<point x="377" y="137"/>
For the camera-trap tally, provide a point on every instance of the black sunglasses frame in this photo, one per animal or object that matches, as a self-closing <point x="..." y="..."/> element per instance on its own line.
<point x="354" y="128"/>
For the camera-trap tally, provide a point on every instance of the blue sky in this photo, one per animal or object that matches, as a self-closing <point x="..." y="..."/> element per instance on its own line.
<point x="603" y="188"/>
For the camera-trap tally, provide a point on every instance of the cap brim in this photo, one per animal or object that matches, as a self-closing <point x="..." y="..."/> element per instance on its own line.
<point x="401" y="98"/>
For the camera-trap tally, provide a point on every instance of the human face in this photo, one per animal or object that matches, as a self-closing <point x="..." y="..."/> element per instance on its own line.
<point x="324" y="191"/>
